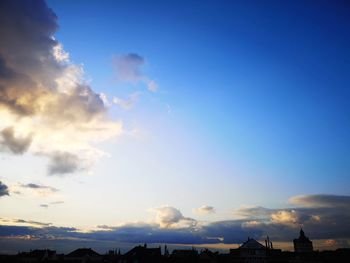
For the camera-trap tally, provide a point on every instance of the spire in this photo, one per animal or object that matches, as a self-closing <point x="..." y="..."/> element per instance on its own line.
<point x="302" y="234"/>
<point x="166" y="252"/>
<point x="268" y="242"/>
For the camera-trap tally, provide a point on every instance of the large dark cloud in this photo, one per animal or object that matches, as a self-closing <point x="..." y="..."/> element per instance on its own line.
<point x="3" y="189"/>
<point x="45" y="104"/>
<point x="26" y="29"/>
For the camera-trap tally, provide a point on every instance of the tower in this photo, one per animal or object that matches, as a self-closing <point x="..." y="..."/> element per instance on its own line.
<point x="302" y="244"/>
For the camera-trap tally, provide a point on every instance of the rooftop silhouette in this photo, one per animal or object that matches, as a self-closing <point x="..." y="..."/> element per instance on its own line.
<point x="250" y="251"/>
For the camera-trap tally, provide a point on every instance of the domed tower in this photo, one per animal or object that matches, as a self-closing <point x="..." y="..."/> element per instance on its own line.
<point x="302" y="244"/>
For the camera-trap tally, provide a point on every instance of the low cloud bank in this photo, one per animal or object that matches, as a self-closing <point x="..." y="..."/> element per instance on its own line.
<point x="323" y="217"/>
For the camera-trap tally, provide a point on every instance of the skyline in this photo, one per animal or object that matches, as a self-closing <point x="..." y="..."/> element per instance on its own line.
<point x="172" y="122"/>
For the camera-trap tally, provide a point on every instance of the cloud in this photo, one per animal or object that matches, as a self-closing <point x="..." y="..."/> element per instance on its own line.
<point x="63" y="163"/>
<point x="321" y="200"/>
<point x="205" y="209"/>
<point x="170" y="217"/>
<point x="253" y="212"/>
<point x="326" y="226"/>
<point x="323" y="216"/>
<point x="39" y="187"/>
<point x="152" y="85"/>
<point x="128" y="69"/>
<point x="230" y="231"/>
<point x="105" y="100"/>
<point x="289" y="217"/>
<point x="51" y="203"/>
<point x="3" y="189"/>
<point x="36" y="232"/>
<point x="31" y="222"/>
<point x="16" y="145"/>
<point x="46" y="106"/>
<point x="128" y="103"/>
<point x="57" y="202"/>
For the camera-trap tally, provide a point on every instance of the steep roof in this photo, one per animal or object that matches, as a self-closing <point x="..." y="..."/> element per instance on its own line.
<point x="82" y="252"/>
<point x="141" y="252"/>
<point x="251" y="244"/>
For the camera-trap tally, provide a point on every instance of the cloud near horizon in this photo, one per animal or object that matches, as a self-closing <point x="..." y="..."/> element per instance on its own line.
<point x="328" y="222"/>
<point x="46" y="106"/>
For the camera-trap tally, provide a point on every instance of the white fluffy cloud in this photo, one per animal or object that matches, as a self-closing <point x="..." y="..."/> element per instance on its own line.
<point x="170" y="217"/>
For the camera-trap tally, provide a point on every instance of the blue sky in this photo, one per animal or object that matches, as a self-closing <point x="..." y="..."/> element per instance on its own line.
<point x="203" y="109"/>
<point x="262" y="84"/>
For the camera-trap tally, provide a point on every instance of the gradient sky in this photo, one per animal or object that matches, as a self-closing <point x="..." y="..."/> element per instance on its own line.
<point x="218" y="109"/>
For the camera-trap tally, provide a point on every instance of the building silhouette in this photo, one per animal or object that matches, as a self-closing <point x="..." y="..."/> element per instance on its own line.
<point x="250" y="251"/>
<point x="142" y="254"/>
<point x="302" y="244"/>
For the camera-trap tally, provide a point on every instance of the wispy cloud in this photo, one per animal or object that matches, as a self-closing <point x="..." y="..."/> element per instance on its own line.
<point x="128" y="69"/>
<point x="57" y="202"/>
<point x="31" y="223"/>
<point x="40" y="187"/>
<point x="321" y="200"/>
<point x="128" y="103"/>
<point x="47" y="205"/>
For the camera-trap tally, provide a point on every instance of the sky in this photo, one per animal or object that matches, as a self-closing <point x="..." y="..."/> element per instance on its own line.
<point x="124" y="122"/>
